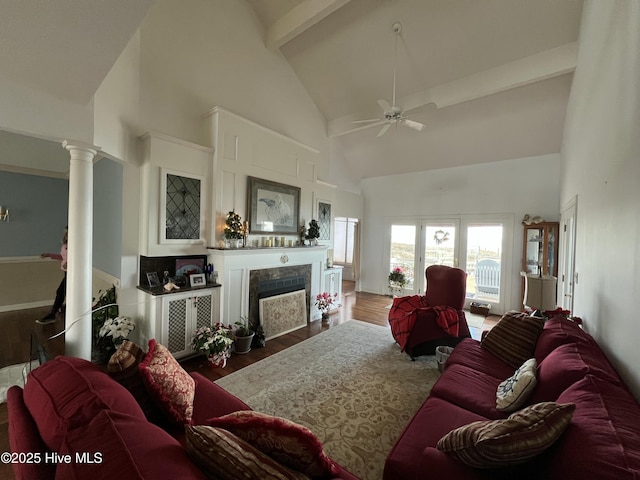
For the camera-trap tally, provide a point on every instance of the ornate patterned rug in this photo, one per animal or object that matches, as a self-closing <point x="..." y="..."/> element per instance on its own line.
<point x="350" y="385"/>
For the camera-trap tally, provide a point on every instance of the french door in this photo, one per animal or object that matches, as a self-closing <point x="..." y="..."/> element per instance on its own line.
<point x="477" y="244"/>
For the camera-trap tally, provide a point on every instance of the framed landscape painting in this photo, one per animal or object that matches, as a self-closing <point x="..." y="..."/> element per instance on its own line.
<point x="273" y="207"/>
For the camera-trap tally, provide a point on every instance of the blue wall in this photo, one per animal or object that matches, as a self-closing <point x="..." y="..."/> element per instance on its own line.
<point x="38" y="214"/>
<point x="107" y="216"/>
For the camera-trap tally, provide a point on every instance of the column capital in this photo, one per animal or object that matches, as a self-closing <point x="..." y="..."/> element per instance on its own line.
<point x="86" y="148"/>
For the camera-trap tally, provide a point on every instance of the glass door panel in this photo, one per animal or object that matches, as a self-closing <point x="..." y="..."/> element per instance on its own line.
<point x="440" y="244"/>
<point x="484" y="262"/>
<point x="403" y="251"/>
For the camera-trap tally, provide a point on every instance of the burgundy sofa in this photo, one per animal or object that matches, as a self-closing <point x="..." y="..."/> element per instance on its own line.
<point x="601" y="442"/>
<point x="71" y="407"/>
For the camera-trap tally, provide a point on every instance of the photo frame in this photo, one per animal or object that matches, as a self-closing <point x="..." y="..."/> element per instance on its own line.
<point x="152" y="278"/>
<point x="197" y="280"/>
<point x="273" y="207"/>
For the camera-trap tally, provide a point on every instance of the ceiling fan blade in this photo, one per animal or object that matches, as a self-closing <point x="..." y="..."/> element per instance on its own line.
<point x="367" y="121"/>
<point x="411" y="124"/>
<point x="383" y="130"/>
<point x="385" y="105"/>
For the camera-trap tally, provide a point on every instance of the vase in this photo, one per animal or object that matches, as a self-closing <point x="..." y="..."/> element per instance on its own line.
<point x="325" y="317"/>
<point x="218" y="360"/>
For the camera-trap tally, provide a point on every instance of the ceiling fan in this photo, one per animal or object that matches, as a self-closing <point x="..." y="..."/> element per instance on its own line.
<point x="393" y="114"/>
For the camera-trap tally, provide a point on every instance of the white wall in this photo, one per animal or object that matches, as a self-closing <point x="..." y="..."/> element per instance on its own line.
<point x="602" y="167"/>
<point x="200" y="54"/>
<point x="31" y="112"/>
<point x="513" y="187"/>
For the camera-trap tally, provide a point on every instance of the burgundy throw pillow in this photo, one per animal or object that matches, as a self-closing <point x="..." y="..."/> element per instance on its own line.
<point x="168" y="383"/>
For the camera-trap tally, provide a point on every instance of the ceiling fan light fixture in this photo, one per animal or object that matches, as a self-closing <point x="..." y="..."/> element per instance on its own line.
<point x="392" y="113"/>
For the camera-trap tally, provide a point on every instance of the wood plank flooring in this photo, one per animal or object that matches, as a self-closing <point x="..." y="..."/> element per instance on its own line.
<point x="18" y="328"/>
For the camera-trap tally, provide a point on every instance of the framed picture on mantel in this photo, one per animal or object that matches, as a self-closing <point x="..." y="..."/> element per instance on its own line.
<point x="273" y="207"/>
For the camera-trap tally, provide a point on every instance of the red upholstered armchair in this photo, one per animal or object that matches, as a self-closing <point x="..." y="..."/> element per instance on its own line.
<point x="421" y="323"/>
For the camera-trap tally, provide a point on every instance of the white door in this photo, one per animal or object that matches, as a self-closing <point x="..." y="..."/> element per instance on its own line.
<point x="566" y="275"/>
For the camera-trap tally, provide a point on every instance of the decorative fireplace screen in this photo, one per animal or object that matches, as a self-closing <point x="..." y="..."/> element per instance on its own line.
<point x="283" y="313"/>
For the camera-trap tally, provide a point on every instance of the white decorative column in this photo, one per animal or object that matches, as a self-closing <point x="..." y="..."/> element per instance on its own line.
<point x="80" y="261"/>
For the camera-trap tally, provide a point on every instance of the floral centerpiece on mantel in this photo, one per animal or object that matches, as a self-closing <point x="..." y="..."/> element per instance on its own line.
<point x="397" y="281"/>
<point x="214" y="342"/>
<point x="325" y="302"/>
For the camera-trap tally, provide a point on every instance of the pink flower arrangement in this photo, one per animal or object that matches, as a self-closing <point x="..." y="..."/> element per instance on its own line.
<point x="324" y="301"/>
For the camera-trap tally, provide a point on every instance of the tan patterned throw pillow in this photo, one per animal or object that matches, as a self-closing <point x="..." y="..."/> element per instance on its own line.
<point x="501" y="443"/>
<point x="220" y="454"/>
<point x="516" y="390"/>
<point x="513" y="339"/>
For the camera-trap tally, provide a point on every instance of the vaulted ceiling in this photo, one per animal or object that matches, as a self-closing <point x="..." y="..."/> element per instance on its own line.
<point x="490" y="79"/>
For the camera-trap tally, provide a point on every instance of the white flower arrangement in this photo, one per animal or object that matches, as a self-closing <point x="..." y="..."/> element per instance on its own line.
<point x="212" y="341"/>
<point x="117" y="328"/>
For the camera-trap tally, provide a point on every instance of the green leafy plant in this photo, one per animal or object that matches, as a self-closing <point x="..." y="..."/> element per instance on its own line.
<point x="244" y="327"/>
<point x="314" y="230"/>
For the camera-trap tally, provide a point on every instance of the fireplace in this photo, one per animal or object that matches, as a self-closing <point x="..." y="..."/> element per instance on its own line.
<point x="277" y="285"/>
<point x="242" y="271"/>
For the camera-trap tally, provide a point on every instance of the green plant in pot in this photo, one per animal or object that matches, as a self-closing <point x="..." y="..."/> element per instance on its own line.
<point x="243" y="335"/>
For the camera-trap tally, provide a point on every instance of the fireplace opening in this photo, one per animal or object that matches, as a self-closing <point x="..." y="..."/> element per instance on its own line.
<point x="284" y="294"/>
<point x="278" y="286"/>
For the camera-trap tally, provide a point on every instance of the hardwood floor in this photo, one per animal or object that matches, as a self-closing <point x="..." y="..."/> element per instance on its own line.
<point x="19" y="327"/>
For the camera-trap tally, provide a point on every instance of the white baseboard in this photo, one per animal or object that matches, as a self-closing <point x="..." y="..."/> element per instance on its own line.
<point x="25" y="306"/>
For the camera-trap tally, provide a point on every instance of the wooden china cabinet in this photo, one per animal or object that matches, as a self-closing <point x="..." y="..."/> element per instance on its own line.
<point x="540" y="250"/>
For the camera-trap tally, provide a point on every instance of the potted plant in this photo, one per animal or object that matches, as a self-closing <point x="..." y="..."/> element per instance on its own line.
<point x="313" y="233"/>
<point x="112" y="334"/>
<point x="243" y="336"/>
<point x="233" y="230"/>
<point x="325" y="301"/>
<point x="397" y="281"/>
<point x="214" y="342"/>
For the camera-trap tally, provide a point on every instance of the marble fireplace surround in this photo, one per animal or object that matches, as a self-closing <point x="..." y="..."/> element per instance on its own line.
<point x="239" y="271"/>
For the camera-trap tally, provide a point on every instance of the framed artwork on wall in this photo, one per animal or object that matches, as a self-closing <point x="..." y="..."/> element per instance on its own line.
<point x="323" y="214"/>
<point x="273" y="207"/>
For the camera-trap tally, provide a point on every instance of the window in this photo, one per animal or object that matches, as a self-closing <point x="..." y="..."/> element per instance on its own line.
<point x="343" y="246"/>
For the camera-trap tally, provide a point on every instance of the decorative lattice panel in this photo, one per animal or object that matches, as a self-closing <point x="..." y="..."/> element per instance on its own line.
<point x="324" y="220"/>
<point x="176" y="341"/>
<point x="203" y="316"/>
<point x="183" y="208"/>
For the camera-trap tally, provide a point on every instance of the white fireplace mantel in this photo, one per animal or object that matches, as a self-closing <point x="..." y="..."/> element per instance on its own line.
<point x="234" y="266"/>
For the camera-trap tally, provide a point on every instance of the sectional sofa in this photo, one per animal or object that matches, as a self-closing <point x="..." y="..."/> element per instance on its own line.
<point x="74" y="421"/>
<point x="580" y="391"/>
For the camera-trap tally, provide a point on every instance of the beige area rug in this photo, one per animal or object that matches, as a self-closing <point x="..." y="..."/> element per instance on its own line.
<point x="350" y="385"/>
<point x="474" y="320"/>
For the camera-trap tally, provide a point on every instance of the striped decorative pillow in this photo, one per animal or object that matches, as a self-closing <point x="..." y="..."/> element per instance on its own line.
<point x="220" y="454"/>
<point x="513" y="339"/>
<point x="123" y="368"/>
<point x="501" y="443"/>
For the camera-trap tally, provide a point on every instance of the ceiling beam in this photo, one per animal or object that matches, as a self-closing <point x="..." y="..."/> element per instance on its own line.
<point x="534" y="68"/>
<point x="299" y="19"/>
